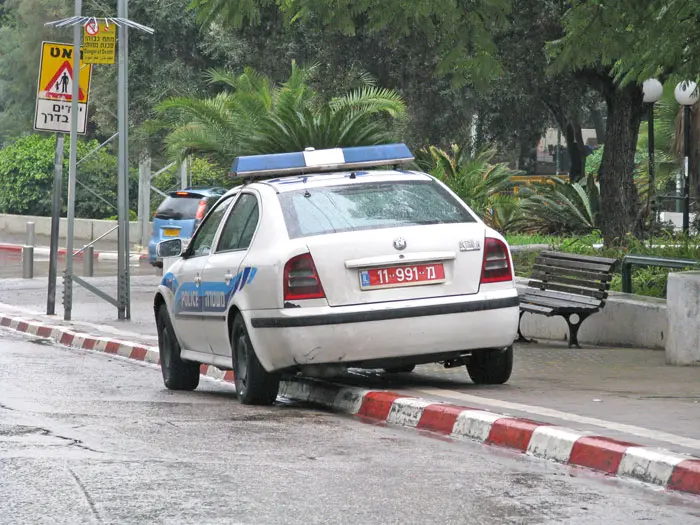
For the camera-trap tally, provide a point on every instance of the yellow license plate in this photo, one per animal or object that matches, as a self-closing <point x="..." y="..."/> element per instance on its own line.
<point x="171" y="232"/>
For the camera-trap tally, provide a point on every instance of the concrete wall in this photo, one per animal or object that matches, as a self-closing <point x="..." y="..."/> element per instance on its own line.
<point x="627" y="320"/>
<point x="683" y="342"/>
<point x="85" y="229"/>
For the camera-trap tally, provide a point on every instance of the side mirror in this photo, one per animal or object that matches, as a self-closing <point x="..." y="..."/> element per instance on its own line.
<point x="169" y="248"/>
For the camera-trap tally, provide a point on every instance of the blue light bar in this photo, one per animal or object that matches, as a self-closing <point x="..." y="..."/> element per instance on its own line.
<point x="316" y="161"/>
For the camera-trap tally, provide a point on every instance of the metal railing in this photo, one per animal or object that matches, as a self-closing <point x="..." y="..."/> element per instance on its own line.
<point x="629" y="261"/>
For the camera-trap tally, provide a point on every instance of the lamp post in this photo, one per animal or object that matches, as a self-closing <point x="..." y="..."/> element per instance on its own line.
<point x="686" y="93"/>
<point x="652" y="91"/>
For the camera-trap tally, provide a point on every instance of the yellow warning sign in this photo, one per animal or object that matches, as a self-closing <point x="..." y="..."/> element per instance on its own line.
<point x="53" y="104"/>
<point x="99" y="43"/>
<point x="56" y="75"/>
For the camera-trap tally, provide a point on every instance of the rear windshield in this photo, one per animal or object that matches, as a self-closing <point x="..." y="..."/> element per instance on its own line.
<point x="184" y="207"/>
<point x="367" y="206"/>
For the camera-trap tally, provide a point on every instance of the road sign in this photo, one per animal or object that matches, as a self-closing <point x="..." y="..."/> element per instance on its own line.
<point x="99" y="43"/>
<point x="53" y="104"/>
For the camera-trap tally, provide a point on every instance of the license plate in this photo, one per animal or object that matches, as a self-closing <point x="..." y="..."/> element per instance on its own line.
<point x="396" y="276"/>
<point x="171" y="232"/>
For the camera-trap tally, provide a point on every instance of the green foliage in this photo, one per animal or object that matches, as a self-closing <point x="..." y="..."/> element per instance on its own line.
<point x="27" y="173"/>
<point x="486" y="187"/>
<point x="462" y="37"/>
<point x="561" y="207"/>
<point x="255" y="116"/>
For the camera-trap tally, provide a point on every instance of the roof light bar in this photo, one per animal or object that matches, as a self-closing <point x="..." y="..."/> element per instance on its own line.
<point x="316" y="161"/>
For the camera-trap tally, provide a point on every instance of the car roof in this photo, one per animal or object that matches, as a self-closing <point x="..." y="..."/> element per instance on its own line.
<point x="316" y="180"/>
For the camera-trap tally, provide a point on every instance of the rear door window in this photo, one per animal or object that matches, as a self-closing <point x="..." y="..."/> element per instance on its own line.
<point x="369" y="205"/>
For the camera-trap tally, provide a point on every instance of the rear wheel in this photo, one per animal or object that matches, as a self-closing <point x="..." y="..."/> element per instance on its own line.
<point x="254" y="385"/>
<point x="492" y="366"/>
<point x="400" y="369"/>
<point x="177" y="374"/>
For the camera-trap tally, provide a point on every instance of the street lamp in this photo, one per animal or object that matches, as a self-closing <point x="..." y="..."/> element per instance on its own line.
<point x="686" y="93"/>
<point x="652" y="91"/>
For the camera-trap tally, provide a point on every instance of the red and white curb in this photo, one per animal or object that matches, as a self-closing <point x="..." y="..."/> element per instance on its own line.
<point x="98" y="256"/>
<point x="563" y="445"/>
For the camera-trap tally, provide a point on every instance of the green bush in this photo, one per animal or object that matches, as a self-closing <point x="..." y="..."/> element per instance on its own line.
<point x="27" y="173"/>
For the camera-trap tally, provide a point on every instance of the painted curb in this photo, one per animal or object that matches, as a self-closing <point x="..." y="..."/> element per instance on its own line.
<point x="560" y="444"/>
<point x="98" y="256"/>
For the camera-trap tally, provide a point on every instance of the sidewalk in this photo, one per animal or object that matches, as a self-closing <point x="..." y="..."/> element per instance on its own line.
<point x="626" y="393"/>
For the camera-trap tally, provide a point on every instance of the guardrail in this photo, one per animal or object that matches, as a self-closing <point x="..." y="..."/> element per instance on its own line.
<point x="629" y="261"/>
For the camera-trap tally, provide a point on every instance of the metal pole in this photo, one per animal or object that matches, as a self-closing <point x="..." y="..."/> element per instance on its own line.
<point x="73" y="164"/>
<point x="123" y="175"/>
<point x="88" y="262"/>
<point x="686" y="175"/>
<point x="31" y="233"/>
<point x="144" y="199"/>
<point x="27" y="262"/>
<point x="183" y="174"/>
<point x="55" y="224"/>
<point x="651" y="202"/>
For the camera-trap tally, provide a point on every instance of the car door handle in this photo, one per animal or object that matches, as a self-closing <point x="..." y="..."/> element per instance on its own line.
<point x="228" y="278"/>
<point x="197" y="280"/>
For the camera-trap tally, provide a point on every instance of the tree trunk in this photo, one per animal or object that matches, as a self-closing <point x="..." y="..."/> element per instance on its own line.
<point x="620" y="200"/>
<point x="577" y="151"/>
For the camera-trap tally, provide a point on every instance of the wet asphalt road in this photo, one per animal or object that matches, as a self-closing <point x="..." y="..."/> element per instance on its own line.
<point x="89" y="438"/>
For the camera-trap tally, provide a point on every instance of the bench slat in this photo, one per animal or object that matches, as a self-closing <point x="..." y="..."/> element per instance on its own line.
<point x="576" y="265"/>
<point x="536" y="308"/>
<point x="566" y="297"/>
<point x="554" y="278"/>
<point x="578" y="257"/>
<point x="558" y="306"/>
<point x="573" y="290"/>
<point x="592" y="275"/>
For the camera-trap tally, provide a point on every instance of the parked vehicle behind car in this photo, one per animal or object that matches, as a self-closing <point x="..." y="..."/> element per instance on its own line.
<point x="179" y="215"/>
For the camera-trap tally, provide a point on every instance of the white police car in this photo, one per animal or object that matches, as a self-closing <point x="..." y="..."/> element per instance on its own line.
<point x="315" y="264"/>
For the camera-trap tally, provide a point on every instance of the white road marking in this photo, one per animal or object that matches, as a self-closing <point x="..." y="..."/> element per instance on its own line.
<point x="475" y="424"/>
<point x="566" y="416"/>
<point x="649" y="465"/>
<point x="407" y="411"/>
<point x="553" y="443"/>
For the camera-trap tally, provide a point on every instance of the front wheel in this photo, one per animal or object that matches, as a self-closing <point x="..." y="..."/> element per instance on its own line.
<point x="254" y="384"/>
<point x="177" y="374"/>
<point x="492" y="366"/>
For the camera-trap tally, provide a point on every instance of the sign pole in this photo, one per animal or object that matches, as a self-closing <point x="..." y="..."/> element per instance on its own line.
<point x="123" y="283"/>
<point x="73" y="165"/>
<point x="55" y="223"/>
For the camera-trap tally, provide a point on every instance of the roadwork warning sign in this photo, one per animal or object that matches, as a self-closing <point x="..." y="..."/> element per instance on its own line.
<point x="99" y="43"/>
<point x="53" y="103"/>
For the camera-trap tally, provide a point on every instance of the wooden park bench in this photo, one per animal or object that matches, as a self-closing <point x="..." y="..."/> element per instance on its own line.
<point x="569" y="285"/>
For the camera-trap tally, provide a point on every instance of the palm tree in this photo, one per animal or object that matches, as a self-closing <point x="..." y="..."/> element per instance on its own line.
<point x="255" y="116"/>
<point x="485" y="186"/>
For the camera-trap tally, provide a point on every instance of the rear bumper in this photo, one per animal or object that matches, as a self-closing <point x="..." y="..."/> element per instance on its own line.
<point x="325" y="335"/>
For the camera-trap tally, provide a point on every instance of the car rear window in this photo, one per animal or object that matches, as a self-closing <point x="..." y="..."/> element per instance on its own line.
<point x="368" y="206"/>
<point x="181" y="207"/>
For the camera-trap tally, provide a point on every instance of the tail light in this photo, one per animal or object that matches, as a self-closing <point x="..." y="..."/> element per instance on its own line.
<point x="496" y="267"/>
<point x="201" y="209"/>
<point x="301" y="280"/>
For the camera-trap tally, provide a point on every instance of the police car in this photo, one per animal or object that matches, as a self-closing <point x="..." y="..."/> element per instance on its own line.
<point x="328" y="259"/>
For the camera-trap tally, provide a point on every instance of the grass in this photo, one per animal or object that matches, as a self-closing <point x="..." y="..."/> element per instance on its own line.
<point x="645" y="281"/>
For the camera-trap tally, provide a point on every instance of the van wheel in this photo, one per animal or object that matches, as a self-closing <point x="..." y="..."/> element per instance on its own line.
<point x="401" y="369"/>
<point x="177" y="374"/>
<point x="492" y="366"/>
<point x="254" y="385"/>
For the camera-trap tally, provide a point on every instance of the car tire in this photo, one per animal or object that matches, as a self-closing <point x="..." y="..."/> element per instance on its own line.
<point x="177" y="374"/>
<point x="254" y="384"/>
<point x="400" y="369"/>
<point x="492" y="366"/>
